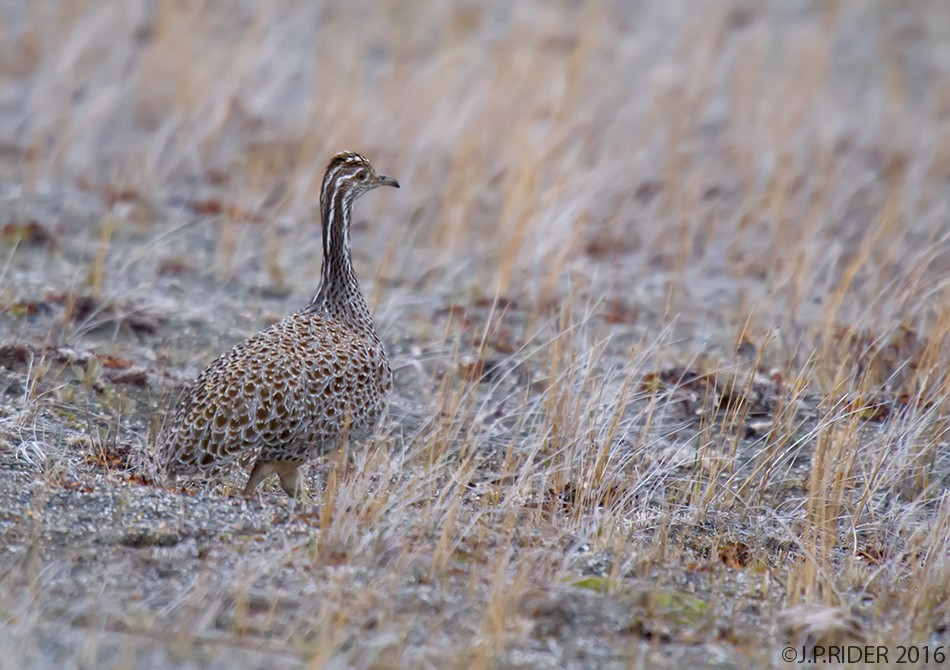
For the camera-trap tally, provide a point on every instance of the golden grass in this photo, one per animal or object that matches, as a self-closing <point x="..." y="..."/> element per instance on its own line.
<point x="594" y="198"/>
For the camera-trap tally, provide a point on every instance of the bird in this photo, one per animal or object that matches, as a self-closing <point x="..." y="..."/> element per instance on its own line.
<point x="309" y="383"/>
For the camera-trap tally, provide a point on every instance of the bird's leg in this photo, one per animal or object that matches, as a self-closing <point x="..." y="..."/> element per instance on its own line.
<point x="287" y="471"/>
<point x="290" y="479"/>
<point x="260" y="470"/>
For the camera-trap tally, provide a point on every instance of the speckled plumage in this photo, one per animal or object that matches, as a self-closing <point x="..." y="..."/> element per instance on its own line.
<point x="295" y="390"/>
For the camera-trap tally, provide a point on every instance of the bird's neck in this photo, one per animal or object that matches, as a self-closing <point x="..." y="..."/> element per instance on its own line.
<point x="339" y="293"/>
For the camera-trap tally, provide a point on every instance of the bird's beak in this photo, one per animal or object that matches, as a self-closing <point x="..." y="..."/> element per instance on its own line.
<point x="383" y="180"/>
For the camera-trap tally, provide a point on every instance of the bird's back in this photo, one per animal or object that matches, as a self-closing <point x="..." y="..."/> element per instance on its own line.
<point x="288" y="393"/>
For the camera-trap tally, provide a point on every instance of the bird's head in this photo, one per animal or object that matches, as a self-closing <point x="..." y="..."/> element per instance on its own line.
<point x="351" y="171"/>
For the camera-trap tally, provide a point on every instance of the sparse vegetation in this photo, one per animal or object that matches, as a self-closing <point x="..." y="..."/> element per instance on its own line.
<point x="665" y="289"/>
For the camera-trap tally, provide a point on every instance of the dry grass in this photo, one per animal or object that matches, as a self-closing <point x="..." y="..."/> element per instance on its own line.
<point x="666" y="288"/>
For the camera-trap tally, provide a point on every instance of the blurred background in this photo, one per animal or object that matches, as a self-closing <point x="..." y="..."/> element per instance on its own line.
<point x="716" y="159"/>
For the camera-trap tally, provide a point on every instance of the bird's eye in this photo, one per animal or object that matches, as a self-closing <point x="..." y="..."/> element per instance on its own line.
<point x="361" y="175"/>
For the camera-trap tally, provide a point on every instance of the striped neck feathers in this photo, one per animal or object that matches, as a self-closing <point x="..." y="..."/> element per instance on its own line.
<point x="339" y="292"/>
